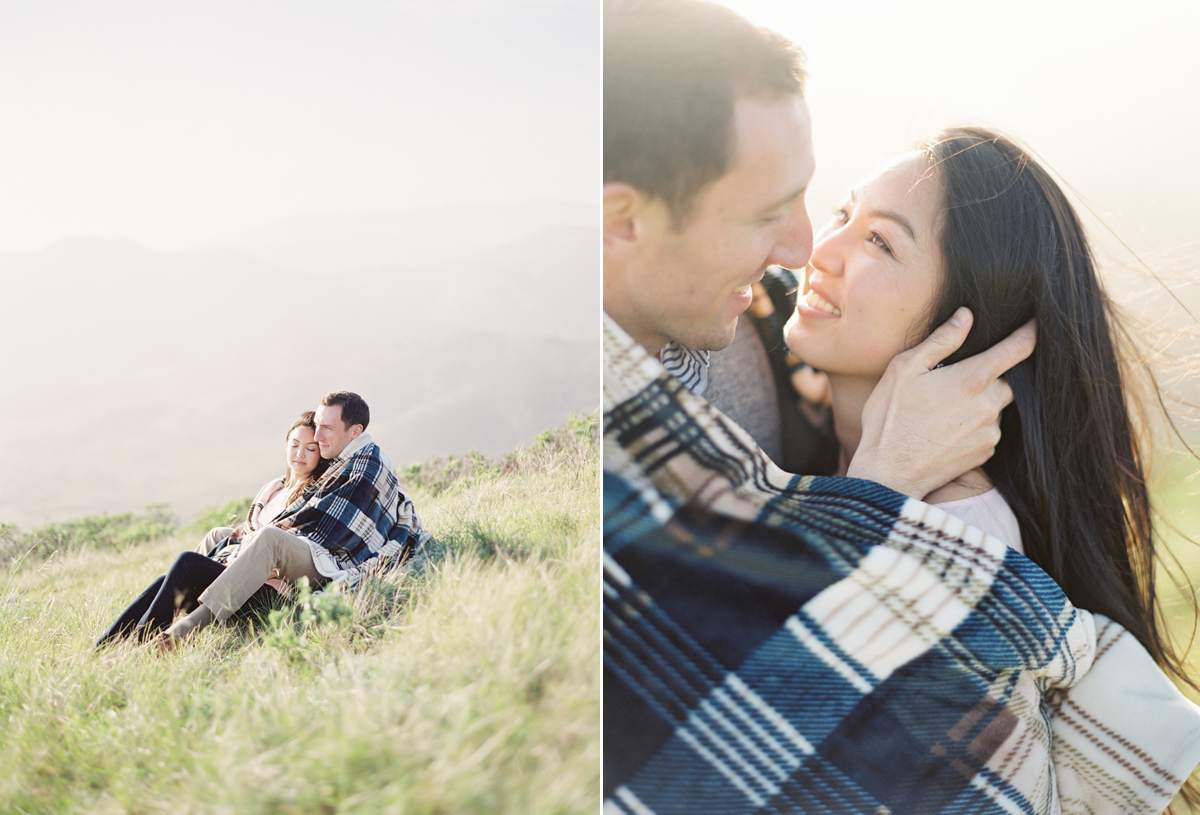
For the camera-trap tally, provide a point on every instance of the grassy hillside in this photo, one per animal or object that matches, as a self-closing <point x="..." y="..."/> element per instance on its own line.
<point x="469" y="684"/>
<point x="1177" y="498"/>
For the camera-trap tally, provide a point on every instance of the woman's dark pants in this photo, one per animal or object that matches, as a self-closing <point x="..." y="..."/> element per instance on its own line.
<point x="178" y="590"/>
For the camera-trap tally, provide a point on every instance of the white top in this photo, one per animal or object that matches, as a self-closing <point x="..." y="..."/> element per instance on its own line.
<point x="274" y="506"/>
<point x="990" y="513"/>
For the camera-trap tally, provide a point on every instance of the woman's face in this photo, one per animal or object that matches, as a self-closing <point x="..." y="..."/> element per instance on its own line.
<point x="302" y="451"/>
<point x="874" y="273"/>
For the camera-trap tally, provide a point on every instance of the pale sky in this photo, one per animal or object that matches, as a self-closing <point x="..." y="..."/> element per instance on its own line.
<point x="177" y="123"/>
<point x="1105" y="92"/>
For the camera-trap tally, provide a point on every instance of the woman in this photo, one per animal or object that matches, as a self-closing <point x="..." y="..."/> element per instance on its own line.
<point x="971" y="220"/>
<point x="180" y="588"/>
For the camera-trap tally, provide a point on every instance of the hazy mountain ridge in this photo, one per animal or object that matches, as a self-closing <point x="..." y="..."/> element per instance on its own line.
<point x="325" y="245"/>
<point x="150" y="377"/>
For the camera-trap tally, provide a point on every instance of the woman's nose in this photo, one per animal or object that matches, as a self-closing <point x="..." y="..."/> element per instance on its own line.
<point x="827" y="255"/>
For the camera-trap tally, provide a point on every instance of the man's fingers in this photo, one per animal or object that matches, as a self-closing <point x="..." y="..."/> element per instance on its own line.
<point x="945" y="339"/>
<point x="1002" y="392"/>
<point x="1006" y="396"/>
<point x="1009" y="351"/>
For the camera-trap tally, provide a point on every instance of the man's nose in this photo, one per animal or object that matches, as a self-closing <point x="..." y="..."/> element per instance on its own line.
<point x="794" y="244"/>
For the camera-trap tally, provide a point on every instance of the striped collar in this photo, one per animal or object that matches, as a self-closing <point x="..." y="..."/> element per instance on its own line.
<point x="688" y="366"/>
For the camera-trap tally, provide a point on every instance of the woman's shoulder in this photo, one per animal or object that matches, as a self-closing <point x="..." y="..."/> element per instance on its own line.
<point x="270" y="488"/>
<point x="988" y="512"/>
<point x="966" y="485"/>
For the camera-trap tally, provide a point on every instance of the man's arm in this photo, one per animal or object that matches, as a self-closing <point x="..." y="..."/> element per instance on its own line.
<point x="924" y="426"/>
<point x="345" y="512"/>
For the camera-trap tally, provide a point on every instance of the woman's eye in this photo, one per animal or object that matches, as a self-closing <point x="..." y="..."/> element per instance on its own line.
<point x="878" y="240"/>
<point x="836" y="221"/>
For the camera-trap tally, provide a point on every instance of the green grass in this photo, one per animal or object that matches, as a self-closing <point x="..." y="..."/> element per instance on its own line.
<point x="1176" y="496"/>
<point x="471" y="683"/>
<point x="95" y="532"/>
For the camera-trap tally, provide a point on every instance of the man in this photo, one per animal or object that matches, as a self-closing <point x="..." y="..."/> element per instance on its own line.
<point x="356" y="521"/>
<point x="689" y="228"/>
<point x="784" y="404"/>
<point x="786" y="643"/>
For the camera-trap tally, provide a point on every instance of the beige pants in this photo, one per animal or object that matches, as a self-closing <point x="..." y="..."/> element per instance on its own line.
<point x="214" y="536"/>
<point x="269" y="552"/>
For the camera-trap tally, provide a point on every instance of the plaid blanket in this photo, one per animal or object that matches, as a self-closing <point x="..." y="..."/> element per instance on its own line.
<point x="357" y="520"/>
<point x="778" y="643"/>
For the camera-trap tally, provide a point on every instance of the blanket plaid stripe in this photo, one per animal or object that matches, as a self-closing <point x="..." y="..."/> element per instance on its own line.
<point x="779" y="643"/>
<point x="358" y="514"/>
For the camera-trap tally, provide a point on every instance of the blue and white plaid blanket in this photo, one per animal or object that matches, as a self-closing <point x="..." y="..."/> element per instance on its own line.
<point x="778" y="643"/>
<point x="357" y="519"/>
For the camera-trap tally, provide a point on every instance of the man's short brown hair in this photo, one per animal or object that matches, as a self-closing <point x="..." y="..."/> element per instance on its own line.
<point x="672" y="71"/>
<point x="354" y="409"/>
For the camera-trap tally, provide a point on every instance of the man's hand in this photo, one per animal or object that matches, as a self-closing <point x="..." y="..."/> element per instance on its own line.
<point x="924" y="426"/>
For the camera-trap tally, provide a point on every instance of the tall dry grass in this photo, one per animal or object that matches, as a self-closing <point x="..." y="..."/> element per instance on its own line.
<point x="470" y="683"/>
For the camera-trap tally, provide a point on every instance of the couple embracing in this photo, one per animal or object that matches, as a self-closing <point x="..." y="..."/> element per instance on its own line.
<point x="337" y="514"/>
<point x="958" y="614"/>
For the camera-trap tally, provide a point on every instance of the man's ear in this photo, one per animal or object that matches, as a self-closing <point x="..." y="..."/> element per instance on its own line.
<point x="354" y="434"/>
<point x="624" y="212"/>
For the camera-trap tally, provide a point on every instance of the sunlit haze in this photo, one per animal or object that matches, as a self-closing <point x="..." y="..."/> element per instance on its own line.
<point x="215" y="212"/>
<point x="1102" y="92"/>
<point x="176" y="124"/>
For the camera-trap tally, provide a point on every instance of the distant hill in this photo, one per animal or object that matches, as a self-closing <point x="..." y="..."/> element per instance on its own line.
<point x="326" y="245"/>
<point x="137" y="377"/>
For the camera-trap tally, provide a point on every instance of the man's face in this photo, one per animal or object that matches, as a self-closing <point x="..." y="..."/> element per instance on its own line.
<point x="332" y="435"/>
<point x="690" y="284"/>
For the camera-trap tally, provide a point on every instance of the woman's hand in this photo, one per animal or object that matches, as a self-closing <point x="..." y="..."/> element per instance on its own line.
<point x="924" y="426"/>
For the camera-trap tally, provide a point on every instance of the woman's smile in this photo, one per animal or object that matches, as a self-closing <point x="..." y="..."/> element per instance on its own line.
<point x="874" y="274"/>
<point x="814" y="302"/>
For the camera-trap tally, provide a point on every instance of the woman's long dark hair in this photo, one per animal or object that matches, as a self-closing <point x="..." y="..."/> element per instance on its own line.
<point x="1070" y="458"/>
